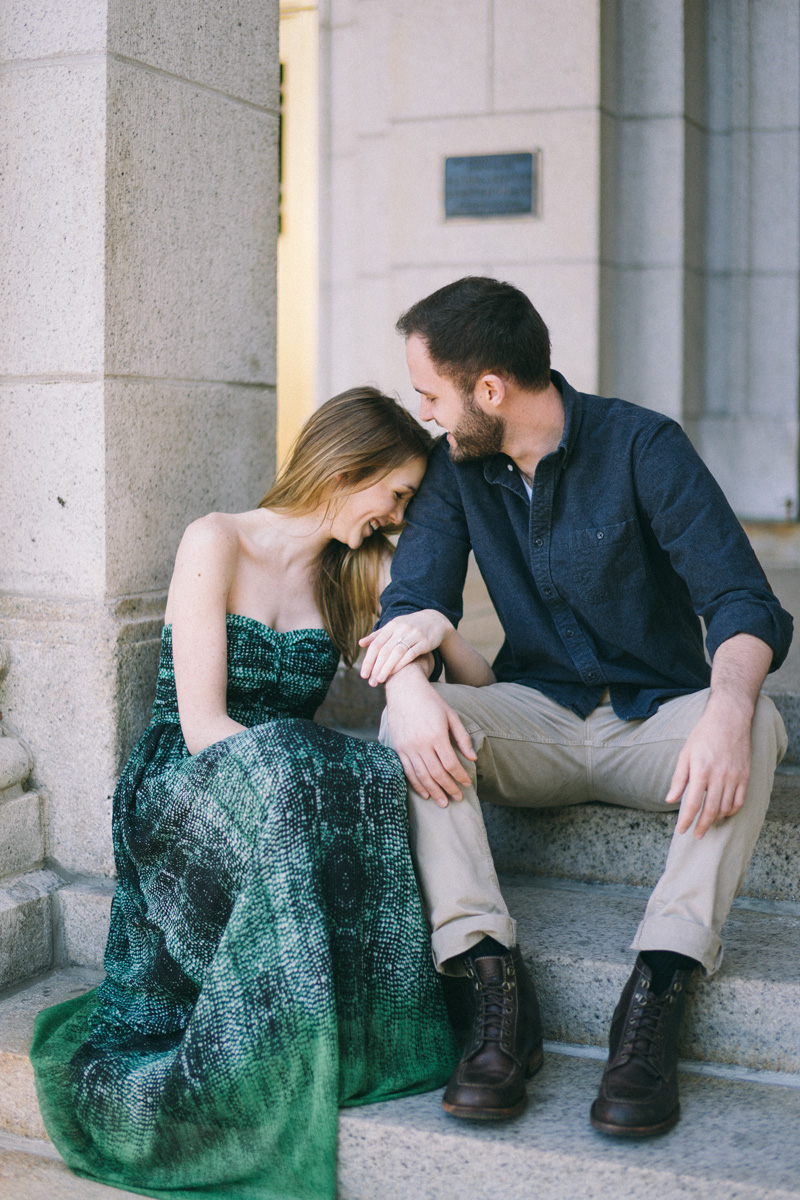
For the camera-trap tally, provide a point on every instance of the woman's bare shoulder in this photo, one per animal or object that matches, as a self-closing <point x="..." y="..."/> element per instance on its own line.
<point x="210" y="549"/>
<point x="216" y="534"/>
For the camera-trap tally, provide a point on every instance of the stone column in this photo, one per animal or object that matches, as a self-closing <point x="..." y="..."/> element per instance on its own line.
<point x="652" y="203"/>
<point x="138" y="204"/>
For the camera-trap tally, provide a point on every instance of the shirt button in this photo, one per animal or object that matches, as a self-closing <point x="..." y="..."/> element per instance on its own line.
<point x="510" y="467"/>
<point x="600" y="535"/>
<point x="591" y="675"/>
<point x="547" y="591"/>
<point x="538" y="542"/>
<point x="570" y="633"/>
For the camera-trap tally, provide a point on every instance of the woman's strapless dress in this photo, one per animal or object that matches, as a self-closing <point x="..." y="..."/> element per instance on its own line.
<point x="268" y="959"/>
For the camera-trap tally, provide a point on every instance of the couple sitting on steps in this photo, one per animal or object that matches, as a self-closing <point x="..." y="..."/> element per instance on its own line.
<point x="268" y="959"/>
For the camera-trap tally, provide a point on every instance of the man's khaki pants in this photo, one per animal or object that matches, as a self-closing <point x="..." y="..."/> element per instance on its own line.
<point x="534" y="753"/>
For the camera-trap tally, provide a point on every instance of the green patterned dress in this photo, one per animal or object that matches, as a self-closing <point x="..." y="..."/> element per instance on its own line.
<point x="268" y="959"/>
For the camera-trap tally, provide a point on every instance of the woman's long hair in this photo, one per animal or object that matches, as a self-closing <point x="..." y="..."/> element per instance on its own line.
<point x="351" y="441"/>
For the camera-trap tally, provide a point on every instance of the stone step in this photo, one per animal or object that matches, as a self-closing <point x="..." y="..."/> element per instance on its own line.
<point x="26" y="924"/>
<point x="22" y="832"/>
<point x="734" y="1140"/>
<point x="576" y="937"/>
<point x="33" y="1170"/>
<point x="82" y="911"/>
<point x="15" y="765"/>
<point x="19" y="1110"/>
<point x="22" y="835"/>
<point x="605" y="843"/>
<point x="787" y="703"/>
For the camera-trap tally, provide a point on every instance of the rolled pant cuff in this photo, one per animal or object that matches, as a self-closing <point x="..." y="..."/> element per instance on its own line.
<point x="682" y="937"/>
<point x="452" y="940"/>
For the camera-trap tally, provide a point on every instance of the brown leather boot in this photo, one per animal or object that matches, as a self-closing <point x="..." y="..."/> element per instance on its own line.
<point x="504" y="1045"/>
<point x="638" y="1094"/>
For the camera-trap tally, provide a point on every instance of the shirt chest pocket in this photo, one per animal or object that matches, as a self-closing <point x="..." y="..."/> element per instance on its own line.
<point x="607" y="560"/>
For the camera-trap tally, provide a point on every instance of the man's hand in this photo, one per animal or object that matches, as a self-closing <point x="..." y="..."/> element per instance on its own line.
<point x="713" y="767"/>
<point x="400" y="641"/>
<point x="421" y="726"/>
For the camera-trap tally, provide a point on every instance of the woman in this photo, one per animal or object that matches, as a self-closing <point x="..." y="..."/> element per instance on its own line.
<point x="267" y="959"/>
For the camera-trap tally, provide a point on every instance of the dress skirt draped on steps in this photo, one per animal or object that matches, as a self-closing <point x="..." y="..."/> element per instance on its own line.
<point x="268" y="960"/>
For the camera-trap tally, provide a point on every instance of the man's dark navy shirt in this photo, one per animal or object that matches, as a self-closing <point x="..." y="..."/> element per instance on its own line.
<point x="600" y="579"/>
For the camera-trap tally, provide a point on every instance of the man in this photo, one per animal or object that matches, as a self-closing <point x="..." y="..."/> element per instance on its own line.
<point x="602" y="538"/>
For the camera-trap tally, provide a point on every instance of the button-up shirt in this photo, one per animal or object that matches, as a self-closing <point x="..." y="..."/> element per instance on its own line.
<point x="600" y="578"/>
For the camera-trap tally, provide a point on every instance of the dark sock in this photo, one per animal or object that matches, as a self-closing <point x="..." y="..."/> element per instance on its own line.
<point x="487" y="947"/>
<point x="664" y="964"/>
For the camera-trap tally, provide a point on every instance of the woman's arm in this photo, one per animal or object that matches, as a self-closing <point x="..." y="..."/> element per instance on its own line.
<point x="407" y="637"/>
<point x="463" y="663"/>
<point x="198" y="597"/>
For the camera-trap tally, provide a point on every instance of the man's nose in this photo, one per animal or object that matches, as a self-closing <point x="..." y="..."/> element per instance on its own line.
<point x="425" y="410"/>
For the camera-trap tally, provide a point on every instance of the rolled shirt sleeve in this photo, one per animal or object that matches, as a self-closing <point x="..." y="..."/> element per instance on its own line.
<point x="707" y="547"/>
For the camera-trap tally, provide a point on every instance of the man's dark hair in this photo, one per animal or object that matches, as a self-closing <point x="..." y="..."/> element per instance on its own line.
<point x="477" y="325"/>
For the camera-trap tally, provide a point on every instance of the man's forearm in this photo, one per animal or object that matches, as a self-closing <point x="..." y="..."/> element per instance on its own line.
<point x="739" y="669"/>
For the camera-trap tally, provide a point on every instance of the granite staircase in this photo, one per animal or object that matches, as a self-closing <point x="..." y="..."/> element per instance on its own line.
<point x="577" y="881"/>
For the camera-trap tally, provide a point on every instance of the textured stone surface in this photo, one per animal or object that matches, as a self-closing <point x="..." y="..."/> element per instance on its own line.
<point x="788" y="705"/>
<point x="439" y="41"/>
<point x="83" y="910"/>
<point x="608" y="844"/>
<point x="15" y="763"/>
<point x="559" y="69"/>
<point x="226" y="436"/>
<point x="22" y="842"/>
<point x="577" y="938"/>
<point x="19" y="1110"/>
<point x="33" y="29"/>
<point x="26" y="925"/>
<point x="46" y="1177"/>
<point x="192" y="223"/>
<point x="81" y="657"/>
<point x="733" y="1141"/>
<point x="52" y="146"/>
<point x="231" y="46"/>
<point x="139" y="213"/>
<point x="51" y="440"/>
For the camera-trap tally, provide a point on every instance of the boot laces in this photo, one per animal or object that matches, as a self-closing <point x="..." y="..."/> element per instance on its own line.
<point x="643" y="1028"/>
<point x="494" y="1010"/>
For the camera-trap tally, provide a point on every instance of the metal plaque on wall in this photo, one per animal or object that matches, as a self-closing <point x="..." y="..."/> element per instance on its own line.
<point x="493" y="185"/>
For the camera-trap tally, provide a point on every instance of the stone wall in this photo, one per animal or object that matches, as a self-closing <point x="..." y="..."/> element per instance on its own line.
<point x="138" y="206"/>
<point x="411" y="83"/>
<point x="667" y="256"/>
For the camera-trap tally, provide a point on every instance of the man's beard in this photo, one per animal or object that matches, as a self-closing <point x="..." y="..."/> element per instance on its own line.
<point x="477" y="435"/>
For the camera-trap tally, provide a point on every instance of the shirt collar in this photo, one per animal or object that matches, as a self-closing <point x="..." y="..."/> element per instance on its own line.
<point x="495" y="469"/>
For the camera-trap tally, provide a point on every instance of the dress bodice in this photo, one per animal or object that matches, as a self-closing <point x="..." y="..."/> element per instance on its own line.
<point x="270" y="674"/>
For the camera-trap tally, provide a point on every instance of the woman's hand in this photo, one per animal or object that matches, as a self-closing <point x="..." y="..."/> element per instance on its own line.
<point x="401" y="641"/>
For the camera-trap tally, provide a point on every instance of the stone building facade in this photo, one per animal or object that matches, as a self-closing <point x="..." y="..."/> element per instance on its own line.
<point x="666" y="256"/>
<point x="138" y="208"/>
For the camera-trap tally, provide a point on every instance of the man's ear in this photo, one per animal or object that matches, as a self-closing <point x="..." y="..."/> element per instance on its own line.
<point x="491" y="389"/>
